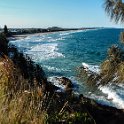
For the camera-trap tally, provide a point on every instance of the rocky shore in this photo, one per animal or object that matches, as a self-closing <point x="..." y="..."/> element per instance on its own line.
<point x="23" y="76"/>
<point x="75" y="103"/>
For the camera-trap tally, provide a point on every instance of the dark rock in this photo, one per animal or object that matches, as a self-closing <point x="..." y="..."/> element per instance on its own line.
<point x="66" y="81"/>
<point x="50" y="87"/>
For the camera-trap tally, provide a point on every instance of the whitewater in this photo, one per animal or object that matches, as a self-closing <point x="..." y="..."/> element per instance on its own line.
<point x="61" y="53"/>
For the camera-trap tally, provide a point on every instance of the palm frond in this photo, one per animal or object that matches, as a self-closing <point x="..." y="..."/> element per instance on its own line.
<point x="115" y="9"/>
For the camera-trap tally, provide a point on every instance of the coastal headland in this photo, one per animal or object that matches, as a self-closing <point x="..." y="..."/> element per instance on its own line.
<point x="27" y="96"/>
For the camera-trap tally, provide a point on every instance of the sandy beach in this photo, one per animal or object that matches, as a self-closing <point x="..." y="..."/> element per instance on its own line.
<point x="22" y="36"/>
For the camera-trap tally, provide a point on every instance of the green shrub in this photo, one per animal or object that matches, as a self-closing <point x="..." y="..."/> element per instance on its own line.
<point x="3" y="43"/>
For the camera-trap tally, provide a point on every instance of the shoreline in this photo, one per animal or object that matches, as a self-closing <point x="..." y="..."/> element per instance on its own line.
<point x="61" y="103"/>
<point x="18" y="37"/>
<point x="65" y="102"/>
<point x="22" y="36"/>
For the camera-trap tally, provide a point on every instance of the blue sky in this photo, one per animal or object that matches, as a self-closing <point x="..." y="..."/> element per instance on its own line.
<point x="47" y="13"/>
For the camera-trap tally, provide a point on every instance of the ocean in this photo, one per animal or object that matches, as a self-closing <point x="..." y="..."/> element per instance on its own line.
<point x="61" y="53"/>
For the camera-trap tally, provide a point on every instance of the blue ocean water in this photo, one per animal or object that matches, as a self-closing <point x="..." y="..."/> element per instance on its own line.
<point x="60" y="54"/>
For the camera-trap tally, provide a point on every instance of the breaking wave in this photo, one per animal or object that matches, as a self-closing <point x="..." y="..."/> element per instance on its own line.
<point x="114" y="94"/>
<point x="92" y="68"/>
<point x="54" y="52"/>
<point x="111" y="94"/>
<point x="50" y="68"/>
<point x="44" y="52"/>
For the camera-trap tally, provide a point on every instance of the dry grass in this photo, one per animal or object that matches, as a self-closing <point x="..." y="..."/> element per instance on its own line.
<point x="21" y="109"/>
<point x="18" y="105"/>
<point x="22" y="104"/>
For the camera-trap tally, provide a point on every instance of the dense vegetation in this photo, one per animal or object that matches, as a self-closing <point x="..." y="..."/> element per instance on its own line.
<point x="27" y="97"/>
<point x="24" y="103"/>
<point x="3" y="43"/>
<point x="115" y="10"/>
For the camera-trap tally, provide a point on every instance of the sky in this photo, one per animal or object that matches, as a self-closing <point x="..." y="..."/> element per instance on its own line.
<point x="47" y="13"/>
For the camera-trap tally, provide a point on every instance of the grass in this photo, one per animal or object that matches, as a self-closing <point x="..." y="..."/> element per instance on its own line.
<point x="21" y="109"/>
<point x="21" y="103"/>
<point x="17" y="104"/>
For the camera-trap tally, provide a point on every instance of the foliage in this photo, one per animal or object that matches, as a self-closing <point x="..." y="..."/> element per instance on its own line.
<point x="115" y="9"/>
<point x="115" y="54"/>
<point x="122" y="37"/>
<point x="111" y="70"/>
<point x="74" y="118"/>
<point x="3" y="43"/>
<point x="6" y="30"/>
<point x="22" y="101"/>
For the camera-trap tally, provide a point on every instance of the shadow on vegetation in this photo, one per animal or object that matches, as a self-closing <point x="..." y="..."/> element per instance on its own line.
<point x="26" y="97"/>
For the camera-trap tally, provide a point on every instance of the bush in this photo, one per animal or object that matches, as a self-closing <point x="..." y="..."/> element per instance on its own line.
<point x="3" y="43"/>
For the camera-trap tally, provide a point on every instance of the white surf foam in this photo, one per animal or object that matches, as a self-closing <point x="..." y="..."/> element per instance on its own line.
<point x="100" y="99"/>
<point x="47" y="38"/>
<point x="28" y="38"/>
<point x="57" y="83"/>
<point x="50" y="68"/>
<point x="39" y="39"/>
<point x="69" y="32"/>
<point x="112" y="95"/>
<point x="45" y="51"/>
<point x="55" y="80"/>
<point x="55" y="39"/>
<point x="76" y="31"/>
<point x="76" y="84"/>
<point x="92" y="68"/>
<point x="64" y="34"/>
